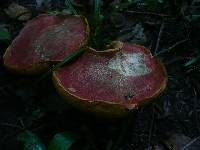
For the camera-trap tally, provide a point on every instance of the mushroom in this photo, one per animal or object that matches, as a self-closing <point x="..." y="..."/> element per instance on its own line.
<point x="46" y="38"/>
<point x="111" y="82"/>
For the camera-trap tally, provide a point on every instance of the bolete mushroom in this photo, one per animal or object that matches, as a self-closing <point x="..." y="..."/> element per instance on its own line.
<point x="111" y="82"/>
<point x="46" y="38"/>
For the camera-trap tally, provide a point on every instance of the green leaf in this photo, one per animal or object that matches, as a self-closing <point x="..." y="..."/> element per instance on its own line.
<point x="31" y="141"/>
<point x="195" y="17"/>
<point x="192" y="61"/>
<point x="67" y="59"/>
<point x="4" y="33"/>
<point x="62" y="141"/>
<point x="70" y="57"/>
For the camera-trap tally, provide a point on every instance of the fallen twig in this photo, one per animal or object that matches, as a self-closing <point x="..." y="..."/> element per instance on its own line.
<point x="147" y="13"/>
<point x="151" y="127"/>
<point x="11" y="125"/>
<point x="190" y="143"/>
<point x="171" y="47"/>
<point x="159" y="37"/>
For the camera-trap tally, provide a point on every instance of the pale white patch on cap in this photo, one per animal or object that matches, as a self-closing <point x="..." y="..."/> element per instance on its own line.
<point x="129" y="64"/>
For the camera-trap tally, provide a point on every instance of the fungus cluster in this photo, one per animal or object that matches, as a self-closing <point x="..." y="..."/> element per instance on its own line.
<point x="111" y="82"/>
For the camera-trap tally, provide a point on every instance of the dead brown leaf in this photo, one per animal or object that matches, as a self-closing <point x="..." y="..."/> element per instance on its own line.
<point x="17" y="11"/>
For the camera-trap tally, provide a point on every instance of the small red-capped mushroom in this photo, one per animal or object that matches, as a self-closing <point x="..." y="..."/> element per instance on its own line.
<point x="46" y="38"/>
<point x="111" y="82"/>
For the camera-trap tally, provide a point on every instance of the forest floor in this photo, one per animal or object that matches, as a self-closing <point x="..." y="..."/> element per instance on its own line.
<point x="172" y="122"/>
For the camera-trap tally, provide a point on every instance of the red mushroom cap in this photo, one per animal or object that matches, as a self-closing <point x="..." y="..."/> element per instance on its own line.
<point x="46" y="38"/>
<point x="112" y="82"/>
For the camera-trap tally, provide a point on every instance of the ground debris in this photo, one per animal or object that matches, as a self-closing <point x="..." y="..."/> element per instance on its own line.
<point x="179" y="142"/>
<point x="17" y="11"/>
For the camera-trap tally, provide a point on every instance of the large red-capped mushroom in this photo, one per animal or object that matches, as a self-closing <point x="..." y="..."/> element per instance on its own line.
<point x="111" y="82"/>
<point x="46" y="38"/>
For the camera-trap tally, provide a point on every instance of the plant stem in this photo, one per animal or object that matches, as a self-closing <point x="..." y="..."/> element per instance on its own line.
<point x="68" y="3"/>
<point x="97" y="9"/>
